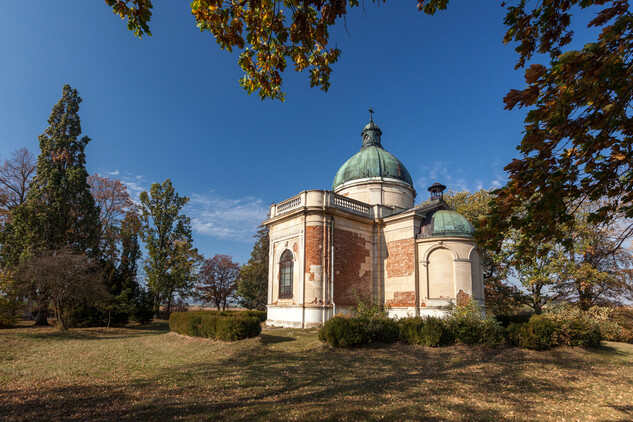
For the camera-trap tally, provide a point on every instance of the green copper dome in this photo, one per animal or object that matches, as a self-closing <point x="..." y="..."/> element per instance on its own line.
<point x="372" y="161"/>
<point x="446" y="223"/>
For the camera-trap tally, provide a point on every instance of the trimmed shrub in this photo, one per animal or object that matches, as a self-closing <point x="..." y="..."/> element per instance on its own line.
<point x="82" y="316"/>
<point x="434" y="333"/>
<point x="506" y="319"/>
<point x="384" y="330"/>
<point x="576" y="327"/>
<point x="340" y="331"/>
<point x="538" y="333"/>
<point x="513" y="333"/>
<point x="430" y="331"/>
<point x="214" y="325"/>
<point x="409" y="329"/>
<point x="468" y="325"/>
<point x="236" y="328"/>
<point x="623" y="317"/>
<point x="261" y="315"/>
<point x="492" y="332"/>
<point x="7" y="321"/>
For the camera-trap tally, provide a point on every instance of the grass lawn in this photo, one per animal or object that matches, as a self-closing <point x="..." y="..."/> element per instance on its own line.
<point x="147" y="373"/>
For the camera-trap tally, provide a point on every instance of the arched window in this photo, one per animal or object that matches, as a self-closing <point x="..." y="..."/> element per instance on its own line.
<point x="285" y="275"/>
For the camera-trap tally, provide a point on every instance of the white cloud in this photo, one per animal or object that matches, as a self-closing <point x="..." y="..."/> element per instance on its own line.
<point x="453" y="178"/>
<point x="226" y="218"/>
<point x="212" y="215"/>
<point x="113" y="173"/>
<point x="456" y="178"/>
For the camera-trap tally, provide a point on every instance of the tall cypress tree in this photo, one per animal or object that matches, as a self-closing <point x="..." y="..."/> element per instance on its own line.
<point x="59" y="211"/>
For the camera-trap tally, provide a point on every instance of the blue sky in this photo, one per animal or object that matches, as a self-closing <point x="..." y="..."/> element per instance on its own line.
<point x="170" y="105"/>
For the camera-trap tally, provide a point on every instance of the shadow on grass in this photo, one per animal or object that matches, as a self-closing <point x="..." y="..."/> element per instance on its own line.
<point x="271" y="339"/>
<point x="309" y="381"/>
<point x="94" y="333"/>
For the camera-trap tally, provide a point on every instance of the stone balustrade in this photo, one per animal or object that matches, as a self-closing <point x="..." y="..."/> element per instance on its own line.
<point x="320" y="199"/>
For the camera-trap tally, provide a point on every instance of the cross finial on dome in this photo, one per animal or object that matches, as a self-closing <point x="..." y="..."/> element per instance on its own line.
<point x="371" y="114"/>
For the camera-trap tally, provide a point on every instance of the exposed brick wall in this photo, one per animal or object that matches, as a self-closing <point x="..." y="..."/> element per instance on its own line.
<point x="462" y="298"/>
<point x="314" y="249"/>
<point x="400" y="258"/>
<point x="402" y="299"/>
<point x="351" y="251"/>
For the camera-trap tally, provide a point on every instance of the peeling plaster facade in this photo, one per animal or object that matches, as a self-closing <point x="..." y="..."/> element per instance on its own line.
<point x="365" y="239"/>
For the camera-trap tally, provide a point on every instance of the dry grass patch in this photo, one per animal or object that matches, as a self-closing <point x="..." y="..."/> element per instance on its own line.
<point x="146" y="373"/>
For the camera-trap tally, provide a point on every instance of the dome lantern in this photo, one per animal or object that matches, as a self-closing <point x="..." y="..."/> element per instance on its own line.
<point x="371" y="133"/>
<point x="372" y="162"/>
<point x="437" y="191"/>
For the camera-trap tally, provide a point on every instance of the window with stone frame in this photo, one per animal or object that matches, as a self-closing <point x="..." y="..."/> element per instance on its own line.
<point x="286" y="265"/>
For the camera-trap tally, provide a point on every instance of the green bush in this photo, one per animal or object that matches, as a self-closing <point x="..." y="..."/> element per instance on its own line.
<point x="577" y="327"/>
<point x="261" y="315"/>
<point x="236" y="328"/>
<point x="622" y="316"/>
<point x="83" y="315"/>
<point x="340" y="331"/>
<point x="192" y="325"/>
<point x="214" y="325"/>
<point x="143" y="308"/>
<point x="506" y="319"/>
<point x="434" y="333"/>
<point x="513" y="333"/>
<point x="430" y="331"/>
<point x="468" y="325"/>
<point x="492" y="332"/>
<point x="409" y="329"/>
<point x="563" y="327"/>
<point x="7" y="321"/>
<point x="538" y="333"/>
<point x="383" y="330"/>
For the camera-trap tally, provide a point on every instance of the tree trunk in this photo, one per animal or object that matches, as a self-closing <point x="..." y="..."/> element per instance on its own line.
<point x="40" y="319"/>
<point x="536" y="295"/>
<point x="157" y="306"/>
<point x="169" y="305"/>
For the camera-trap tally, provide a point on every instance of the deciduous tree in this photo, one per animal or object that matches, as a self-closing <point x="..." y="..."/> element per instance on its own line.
<point x="166" y="232"/>
<point x="217" y="280"/>
<point x="598" y="268"/>
<point x="115" y="203"/>
<point x="16" y="175"/>
<point x="577" y="145"/>
<point x="252" y="283"/>
<point x="63" y="277"/>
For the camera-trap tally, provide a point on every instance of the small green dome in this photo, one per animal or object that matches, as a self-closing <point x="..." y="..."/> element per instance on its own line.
<point x="446" y="223"/>
<point x="372" y="161"/>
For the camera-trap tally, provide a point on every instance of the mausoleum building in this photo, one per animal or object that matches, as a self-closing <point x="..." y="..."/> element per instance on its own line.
<point x="365" y="239"/>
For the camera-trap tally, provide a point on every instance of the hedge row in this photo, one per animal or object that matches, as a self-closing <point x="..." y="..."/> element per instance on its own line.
<point x="214" y="325"/>
<point x="540" y="332"/>
<point x="261" y="315"/>
<point x="340" y="331"/>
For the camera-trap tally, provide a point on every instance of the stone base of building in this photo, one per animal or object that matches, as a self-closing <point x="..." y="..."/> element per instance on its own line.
<point x="297" y="316"/>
